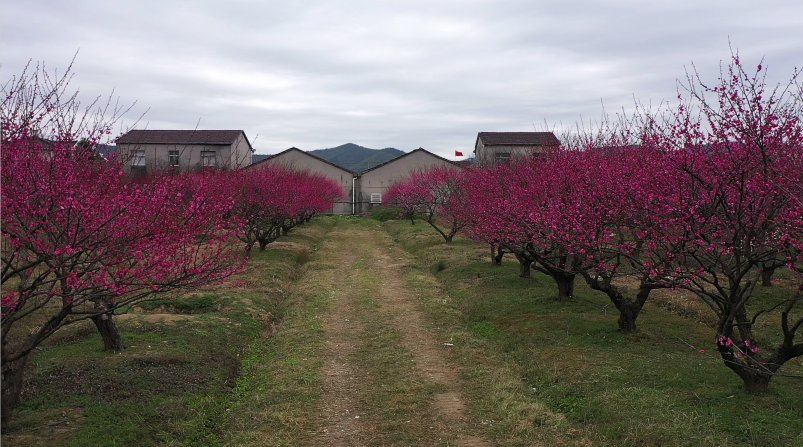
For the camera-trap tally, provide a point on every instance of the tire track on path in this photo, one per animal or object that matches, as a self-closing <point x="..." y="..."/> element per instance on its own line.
<point x="340" y="424"/>
<point x="432" y="360"/>
<point x="359" y="264"/>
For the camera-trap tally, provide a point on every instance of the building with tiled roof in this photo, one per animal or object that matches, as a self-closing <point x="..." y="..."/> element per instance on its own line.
<point x="147" y="151"/>
<point x="364" y="190"/>
<point x="499" y="147"/>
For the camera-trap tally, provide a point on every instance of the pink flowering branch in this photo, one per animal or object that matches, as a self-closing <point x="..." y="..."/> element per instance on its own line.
<point x="438" y="195"/>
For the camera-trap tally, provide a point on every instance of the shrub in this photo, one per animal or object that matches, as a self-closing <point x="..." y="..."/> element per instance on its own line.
<point x="385" y="214"/>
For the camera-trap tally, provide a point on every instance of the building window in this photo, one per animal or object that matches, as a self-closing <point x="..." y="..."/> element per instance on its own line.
<point x="172" y="158"/>
<point x="501" y="157"/>
<point x="208" y="159"/>
<point x="138" y="158"/>
<point x="376" y="197"/>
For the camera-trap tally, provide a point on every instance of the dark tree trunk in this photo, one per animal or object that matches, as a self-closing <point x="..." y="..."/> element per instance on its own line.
<point x="263" y="244"/>
<point x="525" y="264"/>
<point x="285" y="228"/>
<point x="499" y="254"/>
<point x="108" y="332"/>
<point x="431" y="223"/>
<point x="12" y="375"/>
<point x="248" y="247"/>
<point x="757" y="383"/>
<point x="12" y="372"/>
<point x="629" y="310"/>
<point x="756" y="369"/>
<point x="565" y="282"/>
<point x="524" y="269"/>
<point x="627" y="319"/>
<point x="755" y="377"/>
<point x="766" y="276"/>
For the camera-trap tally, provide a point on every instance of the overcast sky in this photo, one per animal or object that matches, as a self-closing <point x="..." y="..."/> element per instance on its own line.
<point x="406" y="74"/>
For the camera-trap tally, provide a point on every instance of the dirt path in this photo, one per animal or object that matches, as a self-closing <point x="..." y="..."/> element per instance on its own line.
<point x="367" y="267"/>
<point x="341" y="425"/>
<point x="430" y="354"/>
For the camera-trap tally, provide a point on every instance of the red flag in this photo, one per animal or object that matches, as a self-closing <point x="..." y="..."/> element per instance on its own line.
<point x="458" y="154"/>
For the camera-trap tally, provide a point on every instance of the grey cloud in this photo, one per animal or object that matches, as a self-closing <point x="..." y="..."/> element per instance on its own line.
<point x="383" y="73"/>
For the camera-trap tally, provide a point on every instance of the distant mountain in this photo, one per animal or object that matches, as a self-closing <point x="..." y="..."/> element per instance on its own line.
<point x="355" y="157"/>
<point x="258" y="157"/>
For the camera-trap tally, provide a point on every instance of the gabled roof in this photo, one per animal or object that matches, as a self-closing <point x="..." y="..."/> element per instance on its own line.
<point x="212" y="137"/>
<point x="420" y="149"/>
<point x="271" y="157"/>
<point x="518" y="139"/>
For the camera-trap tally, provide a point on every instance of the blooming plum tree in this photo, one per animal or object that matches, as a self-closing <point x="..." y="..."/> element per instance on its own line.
<point x="437" y="195"/>
<point x="504" y="203"/>
<point x="405" y="196"/>
<point x="80" y="241"/>
<point x="603" y="215"/>
<point x="737" y="146"/>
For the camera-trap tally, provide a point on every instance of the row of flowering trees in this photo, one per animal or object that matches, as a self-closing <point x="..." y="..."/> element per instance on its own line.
<point x="701" y="197"/>
<point x="270" y="200"/>
<point x="83" y="241"/>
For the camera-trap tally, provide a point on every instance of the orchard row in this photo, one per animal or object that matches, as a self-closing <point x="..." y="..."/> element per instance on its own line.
<point x="706" y="197"/>
<point x="81" y="239"/>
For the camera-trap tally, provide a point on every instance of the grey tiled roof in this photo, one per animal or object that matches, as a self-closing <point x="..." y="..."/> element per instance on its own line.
<point x="180" y="137"/>
<point x="518" y="139"/>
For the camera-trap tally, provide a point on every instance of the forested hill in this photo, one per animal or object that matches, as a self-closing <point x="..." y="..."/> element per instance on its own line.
<point x="356" y="157"/>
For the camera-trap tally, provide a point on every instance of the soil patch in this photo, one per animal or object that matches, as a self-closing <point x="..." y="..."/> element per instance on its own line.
<point x="61" y="425"/>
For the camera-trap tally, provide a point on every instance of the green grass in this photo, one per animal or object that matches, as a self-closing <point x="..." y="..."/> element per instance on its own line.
<point x="397" y="399"/>
<point x="240" y="364"/>
<point x="385" y="213"/>
<point x="180" y="374"/>
<point x="647" y="388"/>
<point x="202" y="303"/>
<point x="280" y="391"/>
<point x="281" y="375"/>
